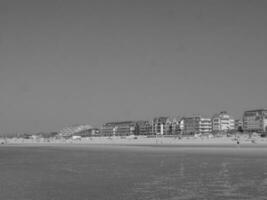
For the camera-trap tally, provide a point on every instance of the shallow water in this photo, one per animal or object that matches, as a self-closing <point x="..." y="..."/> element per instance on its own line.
<point x="109" y="173"/>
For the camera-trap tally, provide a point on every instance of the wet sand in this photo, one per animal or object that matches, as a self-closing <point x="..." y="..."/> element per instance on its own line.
<point x="110" y="171"/>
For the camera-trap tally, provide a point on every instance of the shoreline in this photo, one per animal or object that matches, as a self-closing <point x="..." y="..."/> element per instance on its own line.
<point x="234" y="151"/>
<point x="140" y="141"/>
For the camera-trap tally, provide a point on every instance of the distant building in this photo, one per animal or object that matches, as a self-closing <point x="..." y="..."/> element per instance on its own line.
<point x="143" y="128"/>
<point x="95" y="132"/>
<point x="123" y="128"/>
<point x="88" y="133"/>
<point x="196" y="125"/>
<point x="181" y="125"/>
<point x="160" y="125"/>
<point x="76" y="130"/>
<point x="174" y="129"/>
<point x="223" y="122"/>
<point x="238" y="124"/>
<point x="165" y="126"/>
<point x="255" y="121"/>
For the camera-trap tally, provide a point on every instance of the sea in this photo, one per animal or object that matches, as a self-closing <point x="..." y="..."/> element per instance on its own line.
<point x="113" y="172"/>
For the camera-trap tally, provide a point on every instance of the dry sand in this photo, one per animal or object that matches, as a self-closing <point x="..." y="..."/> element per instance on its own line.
<point x="142" y="140"/>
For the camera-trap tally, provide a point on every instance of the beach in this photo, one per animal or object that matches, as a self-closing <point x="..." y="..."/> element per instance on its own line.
<point x="143" y="140"/>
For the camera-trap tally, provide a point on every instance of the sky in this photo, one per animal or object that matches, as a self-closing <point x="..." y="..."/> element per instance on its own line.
<point x="94" y="61"/>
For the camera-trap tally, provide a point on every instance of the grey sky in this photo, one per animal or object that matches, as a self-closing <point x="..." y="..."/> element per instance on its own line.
<point x="69" y="62"/>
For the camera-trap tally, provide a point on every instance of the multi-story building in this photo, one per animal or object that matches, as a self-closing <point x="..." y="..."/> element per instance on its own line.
<point x="107" y="129"/>
<point x="181" y="125"/>
<point x="255" y="121"/>
<point x="119" y="128"/>
<point x="223" y="122"/>
<point x="160" y="125"/>
<point x="196" y="125"/>
<point x="205" y="125"/>
<point x="143" y="128"/>
<point x="238" y="124"/>
<point x="174" y="129"/>
<point x="165" y="126"/>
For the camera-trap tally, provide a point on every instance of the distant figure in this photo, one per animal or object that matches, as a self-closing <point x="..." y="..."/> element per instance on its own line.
<point x="237" y="141"/>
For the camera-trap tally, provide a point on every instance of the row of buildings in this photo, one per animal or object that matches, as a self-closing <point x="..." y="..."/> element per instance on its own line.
<point x="252" y="121"/>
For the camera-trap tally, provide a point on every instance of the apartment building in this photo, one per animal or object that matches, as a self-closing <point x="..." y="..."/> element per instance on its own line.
<point x="123" y="128"/>
<point x="181" y="125"/>
<point x="175" y="126"/>
<point x="238" y="124"/>
<point x="255" y="121"/>
<point x="165" y="126"/>
<point x="143" y="128"/>
<point x="223" y="122"/>
<point x="160" y="125"/>
<point x="196" y="125"/>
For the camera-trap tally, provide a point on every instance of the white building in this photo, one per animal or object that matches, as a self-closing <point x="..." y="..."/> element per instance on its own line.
<point x="222" y="122"/>
<point x="196" y="125"/>
<point x="181" y="125"/>
<point x="255" y="120"/>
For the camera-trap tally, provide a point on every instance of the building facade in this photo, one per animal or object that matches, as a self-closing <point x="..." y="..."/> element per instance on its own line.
<point x="118" y="128"/>
<point x="160" y="125"/>
<point x="175" y="126"/>
<point x="238" y="125"/>
<point x="143" y="128"/>
<point x="255" y="121"/>
<point x="196" y="125"/>
<point x="181" y="125"/>
<point x="165" y="126"/>
<point x="222" y="122"/>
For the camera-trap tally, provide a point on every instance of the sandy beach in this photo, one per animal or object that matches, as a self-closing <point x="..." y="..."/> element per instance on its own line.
<point x="143" y="140"/>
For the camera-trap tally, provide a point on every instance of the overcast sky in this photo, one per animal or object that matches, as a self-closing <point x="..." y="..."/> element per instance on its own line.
<point x="75" y="62"/>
